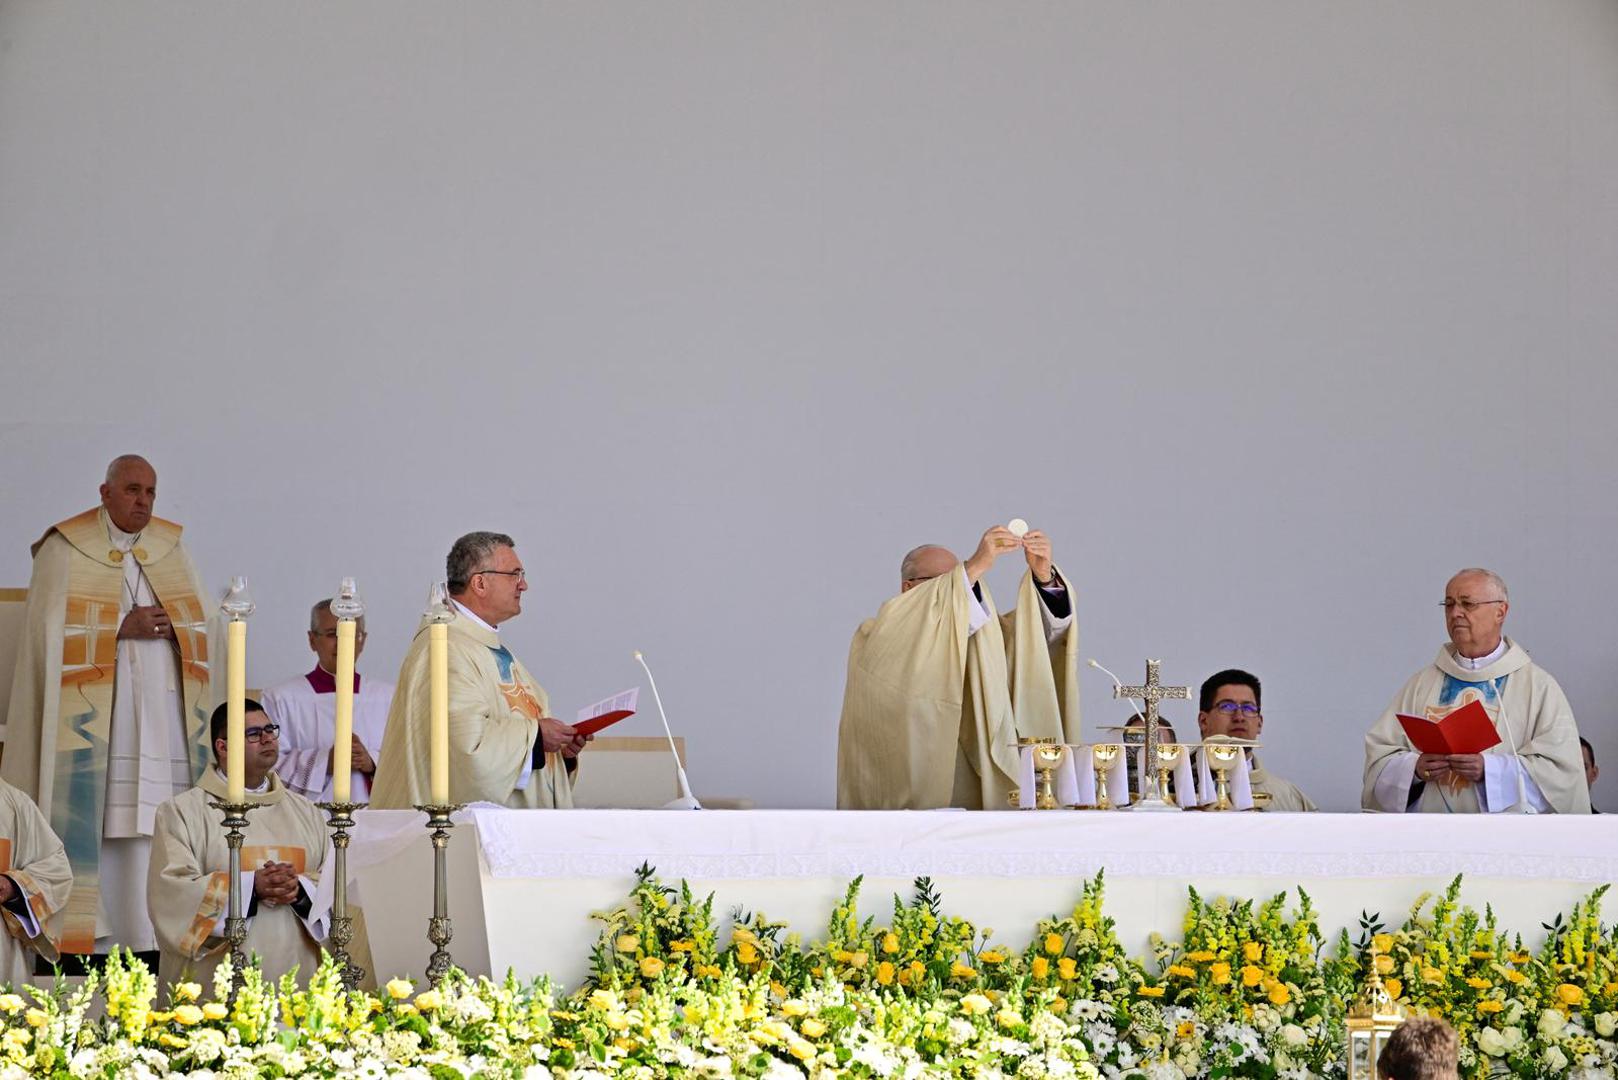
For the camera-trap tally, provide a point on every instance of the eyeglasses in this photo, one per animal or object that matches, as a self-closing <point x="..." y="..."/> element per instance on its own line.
<point x="1231" y="708"/>
<point x="259" y="734"/>
<point x="520" y="574"/>
<point x="1467" y="605"/>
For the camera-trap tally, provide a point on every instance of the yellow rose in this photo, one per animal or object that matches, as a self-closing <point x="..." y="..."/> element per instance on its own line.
<point x="1384" y="965"/>
<point x="794" y="1007"/>
<point x="36" y="1018"/>
<point x="1008" y="1018"/>
<point x="428" y="1000"/>
<point x="186" y="991"/>
<point x="859" y="959"/>
<point x="746" y="953"/>
<point x="801" y="1050"/>
<point x="1568" y="994"/>
<point x="627" y="943"/>
<point x="1252" y="976"/>
<point x="1219" y="973"/>
<point x="1279" y="994"/>
<point x="1431" y="975"/>
<point x="890" y="943"/>
<point x="884" y="973"/>
<point x="1053" y="944"/>
<point x="1151" y="991"/>
<point x="1067" y="968"/>
<point x="1040" y="968"/>
<point x="651" y="967"/>
<point x="399" y="989"/>
<point x="1381" y="943"/>
<point x="187" y="1014"/>
<point x="1252" y="952"/>
<point x="811" y="1027"/>
<point x="1394" y="987"/>
<point x="1058" y="1005"/>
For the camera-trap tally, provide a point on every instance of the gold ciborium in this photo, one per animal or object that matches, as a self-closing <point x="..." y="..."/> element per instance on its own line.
<point x="1168" y="756"/>
<point x="1048" y="757"/>
<point x="1103" y="756"/>
<point x="1222" y="758"/>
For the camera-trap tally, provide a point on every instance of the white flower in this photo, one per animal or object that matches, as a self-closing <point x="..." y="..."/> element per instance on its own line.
<point x="1106" y="973"/>
<point x="1606" y="1024"/>
<point x="1126" y="1056"/>
<point x="1293" y="1035"/>
<point x="1491" y="1042"/>
<point x="1551" y="1023"/>
<point x="1555" y="1059"/>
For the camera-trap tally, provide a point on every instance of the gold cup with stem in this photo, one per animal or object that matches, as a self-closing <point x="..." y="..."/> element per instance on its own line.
<point x="1168" y="757"/>
<point x="1103" y="756"/>
<point x="1048" y="757"/>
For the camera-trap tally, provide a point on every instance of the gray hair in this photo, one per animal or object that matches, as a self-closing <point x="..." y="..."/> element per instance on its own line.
<point x="1489" y="575"/>
<point x="117" y="464"/>
<point x="469" y="553"/>
<point x="910" y="565"/>
<point x="325" y="605"/>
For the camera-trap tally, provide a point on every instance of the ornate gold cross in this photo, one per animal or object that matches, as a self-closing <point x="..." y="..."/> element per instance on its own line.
<point x="1151" y="694"/>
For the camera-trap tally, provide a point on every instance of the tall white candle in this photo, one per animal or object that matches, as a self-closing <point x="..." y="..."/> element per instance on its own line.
<point x="342" y="747"/>
<point x="236" y="709"/>
<point x="438" y="713"/>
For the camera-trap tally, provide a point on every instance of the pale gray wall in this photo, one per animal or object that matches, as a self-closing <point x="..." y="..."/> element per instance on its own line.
<point x="1271" y="313"/>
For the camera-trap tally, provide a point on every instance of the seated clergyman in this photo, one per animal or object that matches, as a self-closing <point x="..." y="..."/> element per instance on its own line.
<point x="939" y="689"/>
<point x="1537" y="758"/>
<point x="1230" y="704"/>
<point x="188" y="883"/>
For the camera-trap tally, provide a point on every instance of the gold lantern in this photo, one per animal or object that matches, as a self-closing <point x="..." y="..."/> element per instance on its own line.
<point x="1370" y="1021"/>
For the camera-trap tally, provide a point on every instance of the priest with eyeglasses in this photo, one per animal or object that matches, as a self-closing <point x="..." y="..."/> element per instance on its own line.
<point x="1536" y="766"/>
<point x="1230" y="704"/>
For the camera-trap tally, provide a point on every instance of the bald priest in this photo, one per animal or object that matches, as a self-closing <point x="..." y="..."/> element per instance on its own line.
<point x="940" y="689"/>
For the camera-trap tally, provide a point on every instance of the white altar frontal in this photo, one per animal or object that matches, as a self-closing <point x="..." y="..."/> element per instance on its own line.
<point x="523" y="883"/>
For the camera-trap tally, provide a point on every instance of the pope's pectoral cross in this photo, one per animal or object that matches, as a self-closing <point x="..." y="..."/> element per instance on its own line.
<point x="1152" y="693"/>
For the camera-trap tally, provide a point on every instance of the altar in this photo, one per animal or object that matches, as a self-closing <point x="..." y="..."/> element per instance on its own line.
<point x="523" y="883"/>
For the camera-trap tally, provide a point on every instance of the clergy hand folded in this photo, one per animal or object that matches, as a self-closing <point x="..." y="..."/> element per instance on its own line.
<point x="146" y="622"/>
<point x="1467" y="767"/>
<point x="364" y="764"/>
<point x="275" y="883"/>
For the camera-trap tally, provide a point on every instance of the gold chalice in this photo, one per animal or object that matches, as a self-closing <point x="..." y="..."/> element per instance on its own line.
<point x="1103" y="756"/>
<point x="1168" y="756"/>
<point x="1222" y="758"/>
<point x="1048" y="757"/>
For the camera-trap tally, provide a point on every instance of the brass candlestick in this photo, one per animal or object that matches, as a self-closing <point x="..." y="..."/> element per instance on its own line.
<point x="235" y="822"/>
<point x="340" y="819"/>
<point x="439" y="928"/>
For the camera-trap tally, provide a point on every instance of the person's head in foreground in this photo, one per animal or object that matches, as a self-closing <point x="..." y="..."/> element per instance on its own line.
<point x="1424" y="1048"/>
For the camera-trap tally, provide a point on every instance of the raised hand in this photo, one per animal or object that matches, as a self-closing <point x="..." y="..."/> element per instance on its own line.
<point x="995" y="543"/>
<point x="1037" y="548"/>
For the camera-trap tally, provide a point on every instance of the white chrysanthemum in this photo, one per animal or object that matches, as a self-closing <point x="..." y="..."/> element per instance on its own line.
<point x="207" y="1045"/>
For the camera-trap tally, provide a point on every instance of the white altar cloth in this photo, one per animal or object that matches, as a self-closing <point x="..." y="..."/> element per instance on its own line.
<point x="524" y="882"/>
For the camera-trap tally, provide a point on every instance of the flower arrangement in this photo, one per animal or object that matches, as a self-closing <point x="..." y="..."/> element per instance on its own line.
<point x="1250" y="989"/>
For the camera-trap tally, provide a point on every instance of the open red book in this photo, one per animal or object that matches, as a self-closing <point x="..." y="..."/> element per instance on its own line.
<point x="596" y="723"/>
<point x="1467" y="730"/>
<point x="605" y="713"/>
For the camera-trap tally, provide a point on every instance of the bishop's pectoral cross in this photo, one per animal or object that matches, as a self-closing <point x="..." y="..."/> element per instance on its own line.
<point x="1151" y="694"/>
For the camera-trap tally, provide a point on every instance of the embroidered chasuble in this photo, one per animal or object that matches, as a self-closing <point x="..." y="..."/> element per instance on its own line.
<point x="33" y="858"/>
<point x="306" y="709"/>
<point x="188" y="883"/>
<point x="494" y="711"/>
<point x="101" y="731"/>
<point x="932" y="712"/>
<point x="1517" y="694"/>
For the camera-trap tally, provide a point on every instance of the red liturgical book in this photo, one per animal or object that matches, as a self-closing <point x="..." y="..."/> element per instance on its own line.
<point x="596" y="723"/>
<point x="1467" y="730"/>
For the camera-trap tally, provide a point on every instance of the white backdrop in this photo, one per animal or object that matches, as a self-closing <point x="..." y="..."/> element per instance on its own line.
<point x="1273" y="314"/>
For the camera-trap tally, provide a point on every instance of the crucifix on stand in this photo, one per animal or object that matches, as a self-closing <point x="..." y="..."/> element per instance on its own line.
<point x="1151" y="693"/>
